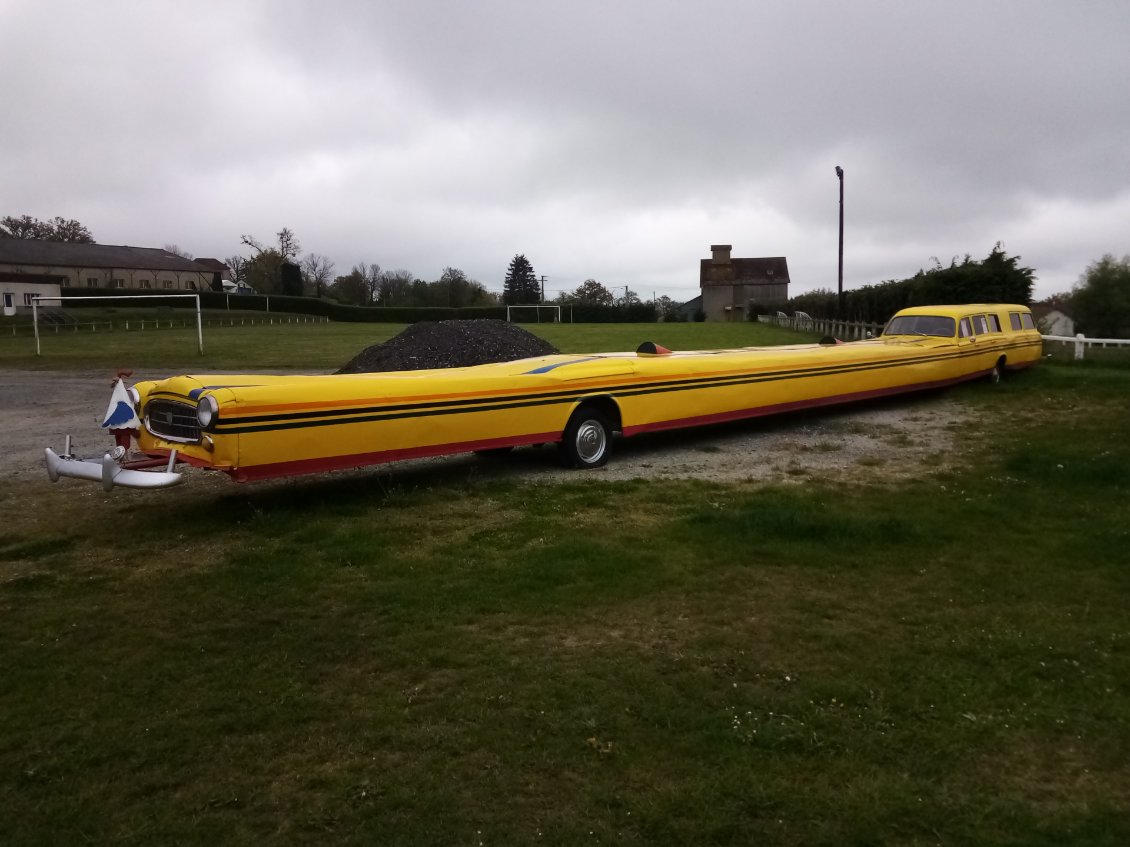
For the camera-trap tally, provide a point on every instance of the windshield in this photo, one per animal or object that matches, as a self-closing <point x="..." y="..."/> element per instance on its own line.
<point x="921" y="325"/>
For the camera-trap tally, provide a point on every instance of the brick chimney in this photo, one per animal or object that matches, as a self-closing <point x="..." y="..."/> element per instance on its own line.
<point x="721" y="253"/>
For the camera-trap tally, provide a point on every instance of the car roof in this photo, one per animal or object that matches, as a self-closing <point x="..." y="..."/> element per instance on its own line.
<point x="957" y="311"/>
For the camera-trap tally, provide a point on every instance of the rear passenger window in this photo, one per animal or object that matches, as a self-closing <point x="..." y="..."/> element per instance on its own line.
<point x="980" y="327"/>
<point x="963" y="329"/>
<point x="1026" y="321"/>
<point x="1014" y="321"/>
<point x="994" y="324"/>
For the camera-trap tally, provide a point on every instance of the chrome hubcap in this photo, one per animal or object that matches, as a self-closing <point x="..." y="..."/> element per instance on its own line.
<point x="591" y="441"/>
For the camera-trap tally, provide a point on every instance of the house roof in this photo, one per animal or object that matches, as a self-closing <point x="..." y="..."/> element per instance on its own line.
<point x="691" y="306"/>
<point x="1044" y="310"/>
<point x="768" y="269"/>
<point x="19" y="251"/>
<point x="213" y="264"/>
<point x="32" y="279"/>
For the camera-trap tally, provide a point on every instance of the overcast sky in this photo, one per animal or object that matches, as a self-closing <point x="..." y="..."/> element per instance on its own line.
<point x="605" y="139"/>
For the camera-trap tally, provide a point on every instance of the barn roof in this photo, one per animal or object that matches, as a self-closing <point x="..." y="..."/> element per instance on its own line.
<point x="773" y="269"/>
<point x="19" y="251"/>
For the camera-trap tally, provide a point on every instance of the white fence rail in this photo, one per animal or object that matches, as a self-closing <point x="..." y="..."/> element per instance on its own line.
<point x="849" y="330"/>
<point x="149" y="324"/>
<point x="1081" y="342"/>
<point x="44" y="298"/>
<point x="845" y="330"/>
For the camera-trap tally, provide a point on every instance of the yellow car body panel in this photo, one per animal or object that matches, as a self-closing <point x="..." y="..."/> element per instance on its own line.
<point x="267" y="426"/>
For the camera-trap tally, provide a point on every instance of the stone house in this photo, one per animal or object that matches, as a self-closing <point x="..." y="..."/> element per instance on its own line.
<point x="730" y="287"/>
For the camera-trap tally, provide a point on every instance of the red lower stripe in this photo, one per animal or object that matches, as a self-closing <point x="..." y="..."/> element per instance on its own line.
<point x="781" y="408"/>
<point x="357" y="460"/>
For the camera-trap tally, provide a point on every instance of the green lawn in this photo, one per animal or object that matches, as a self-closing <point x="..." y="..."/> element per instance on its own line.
<point x="1104" y="357"/>
<point x="453" y="656"/>
<point x="328" y="346"/>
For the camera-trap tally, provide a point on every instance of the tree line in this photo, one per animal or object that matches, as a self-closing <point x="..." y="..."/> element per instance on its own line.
<point x="1099" y="302"/>
<point x="56" y="229"/>
<point x="279" y="267"/>
<point x="367" y="284"/>
<point x="999" y="278"/>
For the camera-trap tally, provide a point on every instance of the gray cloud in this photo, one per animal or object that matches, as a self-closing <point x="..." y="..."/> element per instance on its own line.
<point x="608" y="140"/>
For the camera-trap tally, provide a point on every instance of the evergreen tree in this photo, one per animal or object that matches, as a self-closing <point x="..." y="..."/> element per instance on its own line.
<point x="521" y="287"/>
<point x="290" y="279"/>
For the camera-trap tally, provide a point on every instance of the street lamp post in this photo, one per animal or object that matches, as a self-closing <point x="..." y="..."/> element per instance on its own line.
<point x="840" y="277"/>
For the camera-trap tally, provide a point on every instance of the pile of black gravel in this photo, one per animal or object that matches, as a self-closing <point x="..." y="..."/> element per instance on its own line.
<point x="449" y="344"/>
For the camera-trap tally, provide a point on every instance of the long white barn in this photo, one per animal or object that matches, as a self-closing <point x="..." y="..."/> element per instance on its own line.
<point x="28" y="268"/>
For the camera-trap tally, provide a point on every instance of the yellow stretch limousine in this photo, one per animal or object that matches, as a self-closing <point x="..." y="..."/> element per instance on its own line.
<point x="259" y="427"/>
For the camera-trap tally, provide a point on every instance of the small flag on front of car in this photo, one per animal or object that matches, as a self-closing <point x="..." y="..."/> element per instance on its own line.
<point x="120" y="414"/>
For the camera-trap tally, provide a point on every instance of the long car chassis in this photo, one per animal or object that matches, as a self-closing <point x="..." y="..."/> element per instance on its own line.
<point x="255" y="427"/>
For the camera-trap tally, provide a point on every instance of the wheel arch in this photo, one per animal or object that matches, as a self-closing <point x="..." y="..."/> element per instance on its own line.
<point x="996" y="374"/>
<point x="604" y="403"/>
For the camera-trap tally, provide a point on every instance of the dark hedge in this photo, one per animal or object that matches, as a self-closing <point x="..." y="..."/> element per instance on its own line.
<point x="998" y="278"/>
<point x="591" y="313"/>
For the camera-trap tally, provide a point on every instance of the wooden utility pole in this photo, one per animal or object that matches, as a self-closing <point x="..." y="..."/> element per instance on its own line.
<point x="840" y="278"/>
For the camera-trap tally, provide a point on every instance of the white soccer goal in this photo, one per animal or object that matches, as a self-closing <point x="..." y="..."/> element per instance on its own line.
<point x="133" y="298"/>
<point x="555" y="312"/>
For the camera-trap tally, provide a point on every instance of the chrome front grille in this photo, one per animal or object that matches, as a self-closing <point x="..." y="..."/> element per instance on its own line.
<point x="173" y="421"/>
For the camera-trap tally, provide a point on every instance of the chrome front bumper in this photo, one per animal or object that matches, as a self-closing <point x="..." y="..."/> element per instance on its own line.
<point x="110" y="470"/>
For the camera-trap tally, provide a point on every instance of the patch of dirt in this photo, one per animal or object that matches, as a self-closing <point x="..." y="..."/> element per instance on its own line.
<point x="891" y="440"/>
<point x="449" y="344"/>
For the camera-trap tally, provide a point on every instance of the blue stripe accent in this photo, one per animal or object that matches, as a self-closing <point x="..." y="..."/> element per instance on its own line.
<point x="122" y="414"/>
<point x="544" y="369"/>
<point x="195" y="393"/>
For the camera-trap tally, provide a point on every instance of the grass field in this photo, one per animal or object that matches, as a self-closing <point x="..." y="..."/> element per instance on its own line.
<point x="1103" y="357"/>
<point x="322" y="347"/>
<point x="458" y="657"/>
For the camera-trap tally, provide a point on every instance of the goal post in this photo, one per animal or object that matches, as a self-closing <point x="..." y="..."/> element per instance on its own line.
<point x="555" y="312"/>
<point x="131" y="297"/>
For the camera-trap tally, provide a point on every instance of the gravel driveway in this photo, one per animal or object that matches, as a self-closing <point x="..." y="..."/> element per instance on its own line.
<point x="40" y="408"/>
<point x="893" y="438"/>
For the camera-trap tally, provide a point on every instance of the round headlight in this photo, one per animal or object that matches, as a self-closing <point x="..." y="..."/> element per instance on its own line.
<point x="206" y="411"/>
<point x="134" y="398"/>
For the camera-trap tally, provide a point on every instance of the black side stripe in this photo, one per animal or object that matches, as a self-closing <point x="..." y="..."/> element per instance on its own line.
<point x="371" y="414"/>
